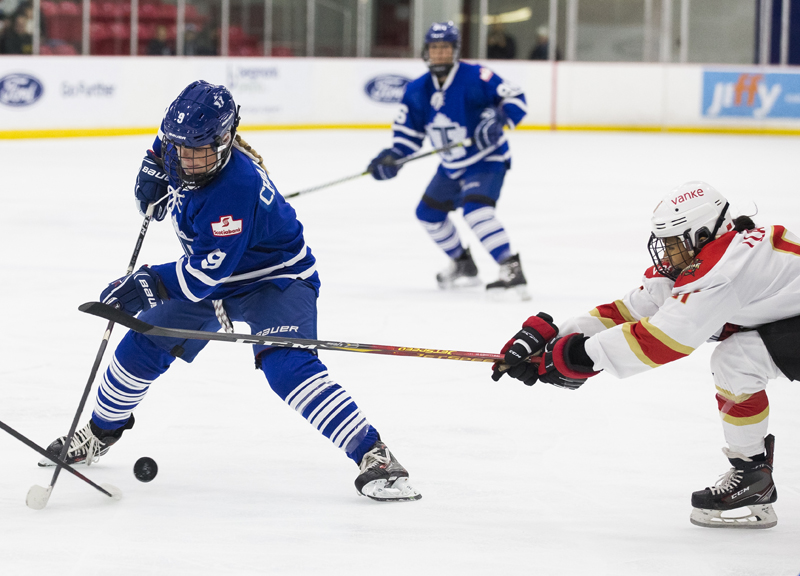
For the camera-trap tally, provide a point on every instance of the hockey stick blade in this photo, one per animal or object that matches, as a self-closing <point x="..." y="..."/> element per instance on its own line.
<point x="38" y="495"/>
<point x="118" y="317"/>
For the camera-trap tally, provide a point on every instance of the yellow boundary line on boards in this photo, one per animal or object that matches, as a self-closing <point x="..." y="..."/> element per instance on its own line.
<point x="97" y="132"/>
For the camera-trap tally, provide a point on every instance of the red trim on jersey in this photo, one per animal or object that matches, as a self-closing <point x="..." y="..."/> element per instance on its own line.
<point x="653" y="272"/>
<point x="611" y="312"/>
<point x="709" y="256"/>
<point x="780" y="243"/>
<point x="655" y="350"/>
<point x="753" y="406"/>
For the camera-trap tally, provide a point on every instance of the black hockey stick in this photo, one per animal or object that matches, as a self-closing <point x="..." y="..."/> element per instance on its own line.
<point x="114" y="315"/>
<point x="33" y="500"/>
<point x="466" y="143"/>
<point x="44" y="493"/>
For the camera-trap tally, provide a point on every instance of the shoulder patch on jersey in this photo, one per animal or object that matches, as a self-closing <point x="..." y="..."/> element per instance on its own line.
<point x="486" y="74"/>
<point x="709" y="256"/>
<point x="226" y="226"/>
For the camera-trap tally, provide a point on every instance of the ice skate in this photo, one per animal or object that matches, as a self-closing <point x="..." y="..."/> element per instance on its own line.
<point x="88" y="444"/>
<point x="511" y="279"/>
<point x="742" y="497"/>
<point x="461" y="272"/>
<point x="383" y="478"/>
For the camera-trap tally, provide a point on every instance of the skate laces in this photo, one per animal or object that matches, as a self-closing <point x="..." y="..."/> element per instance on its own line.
<point x="375" y="457"/>
<point x="85" y="442"/>
<point x="727" y="481"/>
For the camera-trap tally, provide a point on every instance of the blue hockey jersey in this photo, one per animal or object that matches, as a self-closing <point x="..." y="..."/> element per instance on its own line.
<point x="450" y="113"/>
<point x="236" y="232"/>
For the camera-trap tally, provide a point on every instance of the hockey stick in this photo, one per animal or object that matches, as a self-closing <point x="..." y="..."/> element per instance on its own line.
<point x="467" y="142"/>
<point x="36" y="503"/>
<point x="39" y="493"/>
<point x="119" y="317"/>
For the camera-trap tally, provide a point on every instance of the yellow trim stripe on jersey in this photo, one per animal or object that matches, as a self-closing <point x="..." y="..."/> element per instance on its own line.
<point x="735" y="398"/>
<point x="608" y="322"/>
<point x="657" y="334"/>
<point x="747" y="420"/>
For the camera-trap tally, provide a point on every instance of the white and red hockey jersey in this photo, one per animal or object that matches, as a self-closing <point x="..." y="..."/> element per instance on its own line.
<point x="742" y="278"/>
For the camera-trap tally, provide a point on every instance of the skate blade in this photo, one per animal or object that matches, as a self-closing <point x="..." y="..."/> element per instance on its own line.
<point x="47" y="463"/>
<point x="747" y="517"/>
<point x="519" y="292"/>
<point x="460" y="283"/>
<point x="390" y="491"/>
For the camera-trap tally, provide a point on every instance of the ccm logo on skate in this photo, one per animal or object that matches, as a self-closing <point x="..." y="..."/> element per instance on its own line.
<point x="277" y="329"/>
<point x="226" y="226"/>
<point x="740" y="492"/>
<point x="688" y="196"/>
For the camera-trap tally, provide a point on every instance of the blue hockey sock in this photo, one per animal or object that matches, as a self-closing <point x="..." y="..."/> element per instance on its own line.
<point x="302" y="381"/>
<point x="136" y="363"/>
<point x="489" y="230"/>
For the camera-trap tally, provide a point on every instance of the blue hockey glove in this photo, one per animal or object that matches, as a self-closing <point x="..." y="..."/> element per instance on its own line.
<point x="536" y="332"/>
<point x="490" y="129"/>
<point x="383" y="165"/>
<point x="139" y="291"/>
<point x="151" y="185"/>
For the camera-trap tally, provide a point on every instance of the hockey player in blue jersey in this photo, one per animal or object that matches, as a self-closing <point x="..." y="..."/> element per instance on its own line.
<point x="244" y="259"/>
<point x="452" y="103"/>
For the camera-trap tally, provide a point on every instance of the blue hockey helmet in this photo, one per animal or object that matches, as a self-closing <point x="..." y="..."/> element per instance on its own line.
<point x="442" y="32"/>
<point x="199" y="128"/>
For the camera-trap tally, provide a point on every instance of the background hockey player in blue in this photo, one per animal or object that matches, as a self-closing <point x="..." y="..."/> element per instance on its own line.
<point x="245" y="260"/>
<point x="456" y="101"/>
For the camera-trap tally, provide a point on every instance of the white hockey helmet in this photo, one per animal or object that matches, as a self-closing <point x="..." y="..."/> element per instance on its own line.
<point x="695" y="213"/>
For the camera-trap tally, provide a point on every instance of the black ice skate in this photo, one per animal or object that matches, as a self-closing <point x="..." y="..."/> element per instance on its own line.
<point x="88" y="444"/>
<point x="742" y="497"/>
<point x="511" y="278"/>
<point x="383" y="478"/>
<point x="460" y="272"/>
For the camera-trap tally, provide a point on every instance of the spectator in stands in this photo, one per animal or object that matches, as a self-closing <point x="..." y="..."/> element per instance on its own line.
<point x="541" y="49"/>
<point x="199" y="41"/>
<point x="499" y="45"/>
<point x="17" y="36"/>
<point x="158" y="45"/>
<point x="3" y="21"/>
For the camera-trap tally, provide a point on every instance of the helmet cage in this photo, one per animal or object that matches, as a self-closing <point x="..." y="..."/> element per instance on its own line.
<point x="196" y="167"/>
<point x="441" y="32"/>
<point x="198" y="133"/>
<point x="691" y="246"/>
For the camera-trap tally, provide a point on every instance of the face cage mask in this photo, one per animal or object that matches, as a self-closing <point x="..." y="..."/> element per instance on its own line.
<point x="440" y="69"/>
<point x="212" y="159"/>
<point x="691" y="247"/>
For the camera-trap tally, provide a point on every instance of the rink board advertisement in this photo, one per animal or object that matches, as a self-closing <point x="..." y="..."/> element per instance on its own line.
<point x="751" y="93"/>
<point x="69" y="96"/>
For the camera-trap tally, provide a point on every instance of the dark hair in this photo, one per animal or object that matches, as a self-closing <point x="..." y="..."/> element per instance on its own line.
<point x="743" y="223"/>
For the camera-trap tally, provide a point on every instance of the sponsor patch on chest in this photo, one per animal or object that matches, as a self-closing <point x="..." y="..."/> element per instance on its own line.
<point x="226" y="226"/>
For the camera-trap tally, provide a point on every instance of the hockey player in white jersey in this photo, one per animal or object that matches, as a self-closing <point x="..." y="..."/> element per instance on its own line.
<point x="714" y="278"/>
<point x="460" y="103"/>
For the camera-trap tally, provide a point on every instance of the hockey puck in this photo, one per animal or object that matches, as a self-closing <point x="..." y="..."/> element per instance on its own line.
<point x="145" y="469"/>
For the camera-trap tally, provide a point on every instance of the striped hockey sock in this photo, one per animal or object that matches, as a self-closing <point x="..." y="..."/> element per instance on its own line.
<point x="489" y="231"/>
<point x="330" y="409"/>
<point x="120" y="393"/>
<point x="446" y="236"/>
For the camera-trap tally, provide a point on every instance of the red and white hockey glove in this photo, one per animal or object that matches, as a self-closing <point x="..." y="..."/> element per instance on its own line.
<point x="536" y="332"/>
<point x="565" y="363"/>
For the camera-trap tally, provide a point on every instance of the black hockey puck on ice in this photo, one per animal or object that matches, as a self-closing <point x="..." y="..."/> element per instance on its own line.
<point x="145" y="469"/>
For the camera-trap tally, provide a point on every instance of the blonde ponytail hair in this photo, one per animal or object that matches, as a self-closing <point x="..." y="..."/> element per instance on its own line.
<point x="243" y="146"/>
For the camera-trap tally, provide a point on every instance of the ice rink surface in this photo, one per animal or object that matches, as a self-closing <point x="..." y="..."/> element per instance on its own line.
<point x="515" y="480"/>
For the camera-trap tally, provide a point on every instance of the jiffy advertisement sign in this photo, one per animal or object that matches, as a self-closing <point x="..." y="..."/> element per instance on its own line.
<point x="751" y="95"/>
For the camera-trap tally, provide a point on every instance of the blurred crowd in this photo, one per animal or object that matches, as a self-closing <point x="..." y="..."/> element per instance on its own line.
<point x="16" y="28"/>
